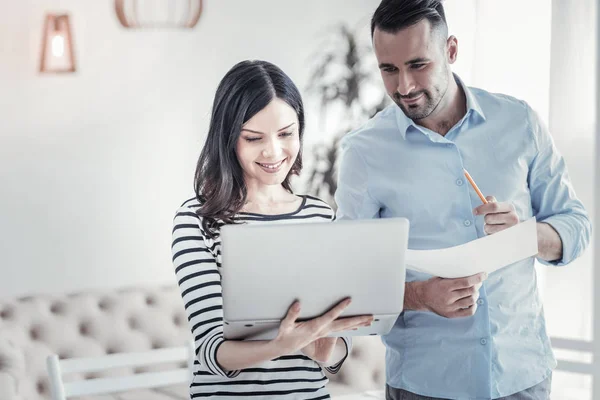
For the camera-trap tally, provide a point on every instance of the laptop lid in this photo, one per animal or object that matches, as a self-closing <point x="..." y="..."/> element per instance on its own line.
<point x="265" y="267"/>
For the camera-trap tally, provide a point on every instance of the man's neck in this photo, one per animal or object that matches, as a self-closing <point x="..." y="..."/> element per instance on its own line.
<point x="451" y="110"/>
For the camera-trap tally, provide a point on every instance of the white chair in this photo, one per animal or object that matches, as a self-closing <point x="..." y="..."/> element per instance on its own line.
<point x="62" y="391"/>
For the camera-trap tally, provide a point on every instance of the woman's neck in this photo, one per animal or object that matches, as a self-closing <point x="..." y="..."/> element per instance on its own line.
<point x="267" y="194"/>
<point x="270" y="200"/>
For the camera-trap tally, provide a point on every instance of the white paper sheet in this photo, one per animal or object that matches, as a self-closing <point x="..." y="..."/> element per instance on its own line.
<point x="486" y="254"/>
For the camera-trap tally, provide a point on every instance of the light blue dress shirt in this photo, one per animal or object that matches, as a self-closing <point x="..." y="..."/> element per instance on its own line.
<point x="392" y="167"/>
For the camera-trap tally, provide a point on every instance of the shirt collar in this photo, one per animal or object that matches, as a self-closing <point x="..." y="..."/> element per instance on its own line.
<point x="472" y="103"/>
<point x="473" y="106"/>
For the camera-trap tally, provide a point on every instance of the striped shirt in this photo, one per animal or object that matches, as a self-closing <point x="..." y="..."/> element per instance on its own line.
<point x="197" y="261"/>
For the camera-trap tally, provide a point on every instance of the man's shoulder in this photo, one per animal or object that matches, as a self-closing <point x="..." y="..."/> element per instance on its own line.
<point x="490" y="101"/>
<point x="381" y="123"/>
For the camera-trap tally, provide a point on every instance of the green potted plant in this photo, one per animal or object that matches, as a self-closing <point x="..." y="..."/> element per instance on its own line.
<point x="345" y="82"/>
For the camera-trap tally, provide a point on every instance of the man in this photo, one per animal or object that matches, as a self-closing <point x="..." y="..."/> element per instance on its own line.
<point x="478" y="337"/>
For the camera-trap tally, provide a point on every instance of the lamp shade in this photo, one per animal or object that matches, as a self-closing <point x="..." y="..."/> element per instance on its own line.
<point x="158" y="14"/>
<point x="57" y="45"/>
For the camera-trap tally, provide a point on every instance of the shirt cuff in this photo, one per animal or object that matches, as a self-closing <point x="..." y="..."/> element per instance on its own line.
<point x="210" y="358"/>
<point x="334" y="369"/>
<point x="567" y="233"/>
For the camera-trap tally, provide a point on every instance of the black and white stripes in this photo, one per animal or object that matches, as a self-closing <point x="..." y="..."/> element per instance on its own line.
<point x="197" y="260"/>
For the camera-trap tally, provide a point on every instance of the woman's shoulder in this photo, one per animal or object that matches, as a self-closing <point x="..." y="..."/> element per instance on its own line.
<point x="192" y="204"/>
<point x="188" y="208"/>
<point x="315" y="201"/>
<point x="316" y="205"/>
<point x="187" y="217"/>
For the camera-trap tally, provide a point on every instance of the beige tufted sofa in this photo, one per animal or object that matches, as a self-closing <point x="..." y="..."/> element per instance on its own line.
<point x="140" y="319"/>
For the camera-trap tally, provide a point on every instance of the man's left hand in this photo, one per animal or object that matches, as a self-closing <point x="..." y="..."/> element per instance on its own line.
<point x="497" y="216"/>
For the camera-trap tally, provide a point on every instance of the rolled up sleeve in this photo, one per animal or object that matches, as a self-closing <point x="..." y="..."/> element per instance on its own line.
<point x="553" y="198"/>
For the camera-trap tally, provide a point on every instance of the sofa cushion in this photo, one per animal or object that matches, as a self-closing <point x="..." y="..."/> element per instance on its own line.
<point x="86" y="325"/>
<point x="96" y="323"/>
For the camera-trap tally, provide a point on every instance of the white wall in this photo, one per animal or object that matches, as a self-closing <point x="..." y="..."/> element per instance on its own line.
<point x="93" y="165"/>
<point x="569" y="291"/>
<point x="504" y="46"/>
<point x="572" y="119"/>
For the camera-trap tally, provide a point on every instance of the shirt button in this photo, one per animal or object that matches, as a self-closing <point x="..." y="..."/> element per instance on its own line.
<point x="480" y="302"/>
<point x="483" y="341"/>
<point x="467" y="222"/>
<point x="459" y="182"/>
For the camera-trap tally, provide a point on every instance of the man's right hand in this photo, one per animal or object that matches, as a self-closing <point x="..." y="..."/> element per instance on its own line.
<point x="450" y="298"/>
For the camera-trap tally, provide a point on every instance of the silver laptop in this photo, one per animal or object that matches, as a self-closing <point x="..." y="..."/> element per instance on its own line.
<point x="266" y="267"/>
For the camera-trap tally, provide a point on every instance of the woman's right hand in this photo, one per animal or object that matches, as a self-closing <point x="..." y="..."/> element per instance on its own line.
<point x="293" y="336"/>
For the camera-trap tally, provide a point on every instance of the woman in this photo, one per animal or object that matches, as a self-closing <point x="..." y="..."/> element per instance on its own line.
<point x="243" y="176"/>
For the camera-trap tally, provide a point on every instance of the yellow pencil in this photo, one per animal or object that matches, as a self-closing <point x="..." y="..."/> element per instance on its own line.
<point x="472" y="182"/>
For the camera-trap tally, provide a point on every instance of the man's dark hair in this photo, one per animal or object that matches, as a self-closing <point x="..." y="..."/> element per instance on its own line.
<point x="394" y="15"/>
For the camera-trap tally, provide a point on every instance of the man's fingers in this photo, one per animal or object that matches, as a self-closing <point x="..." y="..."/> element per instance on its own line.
<point x="464" y="283"/>
<point x="476" y="279"/>
<point x="462" y="293"/>
<point x="493" y="207"/>
<point x="491" y="229"/>
<point x="467" y="301"/>
<point x="510" y="218"/>
<point x="488" y="208"/>
<point x="467" y="312"/>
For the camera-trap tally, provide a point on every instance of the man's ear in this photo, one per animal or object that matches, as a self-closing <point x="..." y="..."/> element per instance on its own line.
<point x="452" y="49"/>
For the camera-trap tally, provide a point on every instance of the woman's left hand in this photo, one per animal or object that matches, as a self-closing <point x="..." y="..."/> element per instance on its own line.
<point x="320" y="349"/>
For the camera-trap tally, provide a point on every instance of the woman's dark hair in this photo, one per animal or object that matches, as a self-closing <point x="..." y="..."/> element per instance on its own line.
<point x="394" y="15"/>
<point x="245" y="90"/>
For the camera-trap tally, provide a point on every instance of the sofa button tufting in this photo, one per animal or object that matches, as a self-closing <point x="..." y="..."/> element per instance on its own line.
<point x="7" y="313"/>
<point x="157" y="345"/>
<point x="84" y="329"/>
<point x="177" y="320"/>
<point x="34" y="333"/>
<point x="103" y="304"/>
<point x="133" y="323"/>
<point x="376" y="376"/>
<point x="57" y="308"/>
